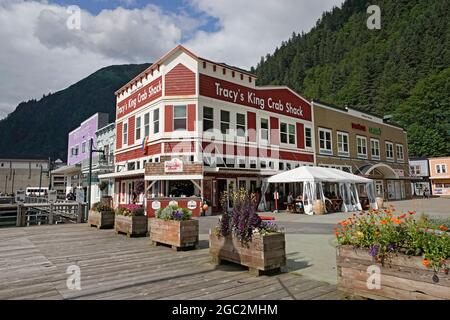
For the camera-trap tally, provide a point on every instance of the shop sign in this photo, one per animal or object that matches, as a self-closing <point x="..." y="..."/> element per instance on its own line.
<point x="358" y="126"/>
<point x="376" y="131"/>
<point x="51" y="196"/>
<point x="173" y="203"/>
<point x="79" y="195"/>
<point x="156" y="205"/>
<point x="192" y="205"/>
<point x="174" y="165"/>
<point x="20" y="196"/>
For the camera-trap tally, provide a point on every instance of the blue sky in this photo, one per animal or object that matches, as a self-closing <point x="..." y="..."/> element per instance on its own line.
<point x="44" y="55"/>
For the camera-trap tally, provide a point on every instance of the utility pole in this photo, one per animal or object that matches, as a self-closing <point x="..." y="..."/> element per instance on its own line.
<point x="91" y="150"/>
<point x="40" y="181"/>
<point x="6" y="184"/>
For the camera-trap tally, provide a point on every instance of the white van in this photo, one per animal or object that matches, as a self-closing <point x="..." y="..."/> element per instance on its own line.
<point x="35" y="191"/>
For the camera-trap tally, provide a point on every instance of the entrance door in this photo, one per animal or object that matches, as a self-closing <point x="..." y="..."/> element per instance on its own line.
<point x="391" y="189"/>
<point x="221" y="188"/>
<point x="231" y="188"/>
<point x="379" y="188"/>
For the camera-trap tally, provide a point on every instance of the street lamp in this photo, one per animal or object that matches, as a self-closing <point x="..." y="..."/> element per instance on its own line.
<point x="91" y="150"/>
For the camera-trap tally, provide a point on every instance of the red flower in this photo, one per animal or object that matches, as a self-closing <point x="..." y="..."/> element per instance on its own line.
<point x="403" y="216"/>
<point x="443" y="228"/>
<point x="411" y="212"/>
<point x="425" y="262"/>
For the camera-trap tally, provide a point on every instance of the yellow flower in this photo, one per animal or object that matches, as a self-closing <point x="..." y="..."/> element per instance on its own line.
<point x="359" y="234"/>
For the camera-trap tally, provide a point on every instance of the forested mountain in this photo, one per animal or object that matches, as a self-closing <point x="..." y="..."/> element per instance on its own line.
<point x="403" y="69"/>
<point x="39" y="128"/>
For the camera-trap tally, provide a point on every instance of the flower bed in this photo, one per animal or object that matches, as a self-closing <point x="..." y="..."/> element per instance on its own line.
<point x="242" y="237"/>
<point x="101" y="216"/>
<point x="411" y="254"/>
<point x="174" y="226"/>
<point x="131" y="222"/>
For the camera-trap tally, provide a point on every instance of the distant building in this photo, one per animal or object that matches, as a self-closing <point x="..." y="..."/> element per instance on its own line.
<point x="102" y="163"/>
<point x="78" y="151"/>
<point x="420" y="175"/>
<point x="78" y="144"/>
<point x="363" y="144"/>
<point x="19" y="174"/>
<point x="440" y="176"/>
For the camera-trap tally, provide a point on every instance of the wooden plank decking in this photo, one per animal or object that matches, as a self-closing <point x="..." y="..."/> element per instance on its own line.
<point x="34" y="260"/>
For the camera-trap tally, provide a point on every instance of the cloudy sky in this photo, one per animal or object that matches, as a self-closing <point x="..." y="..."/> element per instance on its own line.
<point x="43" y="50"/>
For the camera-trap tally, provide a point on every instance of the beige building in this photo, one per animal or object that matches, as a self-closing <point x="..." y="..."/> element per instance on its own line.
<point x="19" y="174"/>
<point x="440" y="176"/>
<point x="363" y="144"/>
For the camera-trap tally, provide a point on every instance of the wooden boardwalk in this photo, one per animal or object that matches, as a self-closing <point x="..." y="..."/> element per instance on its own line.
<point x="34" y="260"/>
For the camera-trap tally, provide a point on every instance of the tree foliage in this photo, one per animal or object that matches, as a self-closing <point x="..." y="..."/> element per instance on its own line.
<point x="342" y="62"/>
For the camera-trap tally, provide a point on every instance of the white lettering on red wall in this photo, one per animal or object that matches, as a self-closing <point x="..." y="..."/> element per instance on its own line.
<point x="146" y="94"/>
<point x="281" y="101"/>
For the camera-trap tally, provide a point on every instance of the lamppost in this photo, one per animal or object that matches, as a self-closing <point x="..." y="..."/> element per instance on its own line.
<point x="91" y="150"/>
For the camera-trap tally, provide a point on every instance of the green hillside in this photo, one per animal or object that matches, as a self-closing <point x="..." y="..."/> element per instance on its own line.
<point x="39" y="128"/>
<point x="403" y="69"/>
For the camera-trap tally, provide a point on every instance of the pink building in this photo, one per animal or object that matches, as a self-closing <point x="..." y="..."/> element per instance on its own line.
<point x="440" y="176"/>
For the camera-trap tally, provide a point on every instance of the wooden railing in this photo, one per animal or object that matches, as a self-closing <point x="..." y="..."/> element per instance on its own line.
<point x="28" y="214"/>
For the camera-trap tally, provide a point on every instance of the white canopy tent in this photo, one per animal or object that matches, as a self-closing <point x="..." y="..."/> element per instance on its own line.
<point x="312" y="179"/>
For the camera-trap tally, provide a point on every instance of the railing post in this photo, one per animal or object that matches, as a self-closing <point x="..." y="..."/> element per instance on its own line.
<point x="50" y="214"/>
<point x="19" y="215"/>
<point x="80" y="213"/>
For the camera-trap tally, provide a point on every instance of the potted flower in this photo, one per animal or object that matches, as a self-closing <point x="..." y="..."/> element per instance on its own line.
<point x="101" y="216"/>
<point x="131" y="220"/>
<point x="174" y="226"/>
<point x="384" y="254"/>
<point x="242" y="237"/>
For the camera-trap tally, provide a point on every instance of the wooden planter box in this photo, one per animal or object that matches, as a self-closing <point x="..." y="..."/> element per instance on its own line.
<point x="178" y="234"/>
<point x="101" y="220"/>
<point x="131" y="226"/>
<point x="264" y="254"/>
<point x="402" y="277"/>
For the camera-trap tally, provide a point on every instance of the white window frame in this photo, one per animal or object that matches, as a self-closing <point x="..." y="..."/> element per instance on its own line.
<point x="402" y="158"/>
<point x="156" y="126"/>
<point x="239" y="127"/>
<point x="138" y="129"/>
<point x="146" y="124"/>
<point x="208" y="119"/>
<point x="325" y="150"/>
<point x="310" y="137"/>
<point x="261" y="130"/>
<point x="342" y="152"/>
<point x="294" y="135"/>
<point x="83" y="146"/>
<point x="372" y="155"/>
<point x="125" y="133"/>
<point x="387" y="143"/>
<point x="441" y="168"/>
<point x="228" y="123"/>
<point x="180" y="118"/>
<point x="360" y="154"/>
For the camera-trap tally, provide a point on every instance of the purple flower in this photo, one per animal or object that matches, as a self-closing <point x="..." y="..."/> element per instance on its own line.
<point x="391" y="247"/>
<point x="373" y="251"/>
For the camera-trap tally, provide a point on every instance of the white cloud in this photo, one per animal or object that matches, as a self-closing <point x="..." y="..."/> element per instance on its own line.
<point x="40" y="54"/>
<point x="252" y="28"/>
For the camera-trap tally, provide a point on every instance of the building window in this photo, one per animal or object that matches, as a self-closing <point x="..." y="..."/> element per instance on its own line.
<point x="240" y="124"/>
<point x="291" y="134"/>
<point x="83" y="147"/>
<point x="125" y="134"/>
<point x="325" y="141"/>
<point x="375" y="149"/>
<point x="224" y="121"/>
<point x="147" y="124"/>
<point x="252" y="164"/>
<point x="241" y="163"/>
<point x="263" y="164"/>
<point x="283" y="132"/>
<point x="179" y="118"/>
<point x="389" y="151"/>
<point x="441" y="168"/>
<point x="208" y="118"/>
<point x="138" y="128"/>
<point x="281" y="166"/>
<point x="264" y="129"/>
<point x="400" y="155"/>
<point x="156" y="121"/>
<point x="361" y="146"/>
<point x="342" y="144"/>
<point x="415" y="170"/>
<point x="308" y="137"/>
<point x="346" y="169"/>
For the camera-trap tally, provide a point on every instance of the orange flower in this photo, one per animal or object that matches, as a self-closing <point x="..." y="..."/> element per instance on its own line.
<point x="336" y="233"/>
<point x="425" y="262"/>
<point x="383" y="221"/>
<point x="395" y="220"/>
<point x="443" y="228"/>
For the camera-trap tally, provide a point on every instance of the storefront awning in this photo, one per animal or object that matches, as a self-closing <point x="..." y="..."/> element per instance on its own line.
<point x="124" y="174"/>
<point x="66" y="170"/>
<point x="175" y="177"/>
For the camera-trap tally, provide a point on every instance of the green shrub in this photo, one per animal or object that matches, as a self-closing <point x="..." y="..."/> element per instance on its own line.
<point x="101" y="207"/>
<point x="174" y="212"/>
